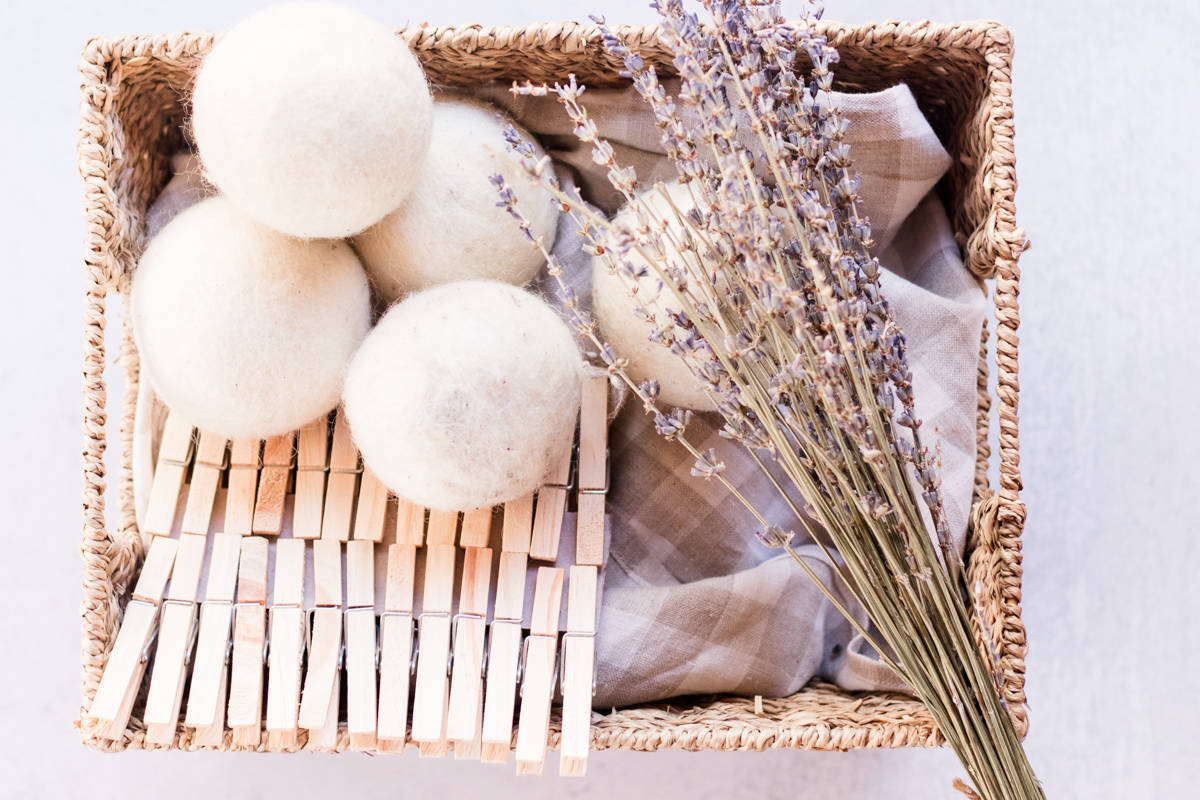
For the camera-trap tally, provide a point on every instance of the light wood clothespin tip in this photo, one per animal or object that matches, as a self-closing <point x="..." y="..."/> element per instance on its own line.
<point x="344" y="470"/>
<point x="593" y="471"/>
<point x="321" y="681"/>
<point x="312" y="465"/>
<point x="396" y="648"/>
<point x="476" y="527"/>
<point x="465" y="716"/>
<point x="278" y="456"/>
<point x="537" y="684"/>
<point x="370" y="515"/>
<point x="210" y="674"/>
<point x="578" y="670"/>
<point x="504" y="643"/>
<point x="245" y="461"/>
<point x="287" y="643"/>
<point x="361" y="700"/>
<point x="410" y="523"/>
<point x="433" y="632"/>
<point x="551" y="508"/>
<point x="249" y="644"/>
<point x="126" y="665"/>
<point x="175" y="452"/>
<point x="176" y="632"/>
<point x="212" y="458"/>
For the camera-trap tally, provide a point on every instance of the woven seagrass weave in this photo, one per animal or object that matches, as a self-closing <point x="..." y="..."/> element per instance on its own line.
<point x="134" y="92"/>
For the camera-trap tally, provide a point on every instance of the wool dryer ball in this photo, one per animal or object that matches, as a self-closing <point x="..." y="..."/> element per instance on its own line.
<point x="617" y="311"/>
<point x="244" y="331"/>
<point x="465" y="395"/>
<point x="313" y="119"/>
<point x="450" y="228"/>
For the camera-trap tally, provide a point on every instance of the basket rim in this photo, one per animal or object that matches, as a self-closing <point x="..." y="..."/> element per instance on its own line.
<point x="959" y="34"/>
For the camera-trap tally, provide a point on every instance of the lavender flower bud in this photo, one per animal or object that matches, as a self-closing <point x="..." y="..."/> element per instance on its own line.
<point x="774" y="537"/>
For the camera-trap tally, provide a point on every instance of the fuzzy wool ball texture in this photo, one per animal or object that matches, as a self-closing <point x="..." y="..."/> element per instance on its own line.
<point x="313" y="119"/>
<point x="450" y="228"/>
<point x="244" y="331"/>
<point x="465" y="395"/>
<point x="616" y="310"/>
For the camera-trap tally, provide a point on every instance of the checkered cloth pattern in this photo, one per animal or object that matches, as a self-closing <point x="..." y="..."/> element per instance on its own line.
<point x="693" y="604"/>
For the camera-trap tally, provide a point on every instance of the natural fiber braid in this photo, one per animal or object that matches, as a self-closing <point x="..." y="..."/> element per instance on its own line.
<point x="1009" y="242"/>
<point x="131" y="369"/>
<point x="100" y="609"/>
<point x="983" y="445"/>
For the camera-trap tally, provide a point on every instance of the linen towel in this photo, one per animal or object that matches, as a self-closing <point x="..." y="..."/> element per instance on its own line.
<point x="692" y="603"/>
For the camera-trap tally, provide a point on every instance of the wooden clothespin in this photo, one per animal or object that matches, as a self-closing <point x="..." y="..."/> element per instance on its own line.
<point x="211" y="460"/>
<point x="396" y="648"/>
<point x="249" y="644"/>
<point x="245" y="460"/>
<point x="593" y="471"/>
<point x="465" y="716"/>
<point x="370" y="515"/>
<point x="410" y="523"/>
<point x="476" y="527"/>
<point x="504" y="644"/>
<point x="537" y="683"/>
<point x="578" y="670"/>
<point x="551" y="507"/>
<point x="443" y="528"/>
<point x="131" y="649"/>
<point x="287" y="643"/>
<point x="343" y="483"/>
<point x="278" y="453"/>
<point x="312" y="463"/>
<point x="397" y="631"/>
<point x="127" y="660"/>
<point x="433" y="631"/>
<point x="174" y="456"/>
<point x="177" y="626"/>
<point x="361" y="707"/>
<point x="518" y="525"/>
<point x="210" y="676"/>
<point x="579" y="641"/>
<point x="322" y="680"/>
<point x="176" y="629"/>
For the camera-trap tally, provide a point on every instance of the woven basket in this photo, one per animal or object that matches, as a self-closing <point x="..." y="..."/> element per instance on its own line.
<point x="133" y="112"/>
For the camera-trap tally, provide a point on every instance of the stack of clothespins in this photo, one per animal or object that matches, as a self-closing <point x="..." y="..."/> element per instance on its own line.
<point x="290" y="598"/>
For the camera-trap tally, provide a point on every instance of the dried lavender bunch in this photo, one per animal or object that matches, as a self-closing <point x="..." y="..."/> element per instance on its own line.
<point x="765" y="286"/>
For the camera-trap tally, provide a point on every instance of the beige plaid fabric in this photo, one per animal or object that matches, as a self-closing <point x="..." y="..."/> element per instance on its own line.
<point x="693" y="604"/>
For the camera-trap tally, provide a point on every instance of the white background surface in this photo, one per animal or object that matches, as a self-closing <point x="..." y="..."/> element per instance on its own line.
<point x="1105" y="110"/>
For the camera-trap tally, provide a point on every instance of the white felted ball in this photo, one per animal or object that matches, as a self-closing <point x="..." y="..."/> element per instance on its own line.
<point x="465" y="395"/>
<point x="616" y="312"/>
<point x="313" y="119"/>
<point x="450" y="228"/>
<point x="244" y="331"/>
<point x="186" y="188"/>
